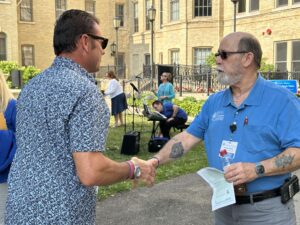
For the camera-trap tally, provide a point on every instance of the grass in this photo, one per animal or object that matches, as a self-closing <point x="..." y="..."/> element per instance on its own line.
<point x="190" y="163"/>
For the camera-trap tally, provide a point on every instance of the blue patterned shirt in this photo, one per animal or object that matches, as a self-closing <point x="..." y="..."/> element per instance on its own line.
<point x="59" y="112"/>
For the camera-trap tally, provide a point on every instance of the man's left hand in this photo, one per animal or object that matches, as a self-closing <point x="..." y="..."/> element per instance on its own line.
<point x="240" y="173"/>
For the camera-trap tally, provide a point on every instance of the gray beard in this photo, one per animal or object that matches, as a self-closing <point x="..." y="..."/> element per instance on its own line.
<point x="226" y="79"/>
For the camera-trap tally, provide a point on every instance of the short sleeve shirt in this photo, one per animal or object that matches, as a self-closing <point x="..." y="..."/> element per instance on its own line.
<point x="59" y="112"/>
<point x="267" y="123"/>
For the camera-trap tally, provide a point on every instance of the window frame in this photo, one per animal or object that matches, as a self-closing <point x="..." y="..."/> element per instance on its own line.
<point x="93" y="4"/>
<point x="26" y="6"/>
<point x="147" y="21"/>
<point x="277" y="61"/>
<point x="3" y="53"/>
<point x="241" y="7"/>
<point x="204" y="55"/>
<point x="119" y="12"/>
<point x="135" y="17"/>
<point x="250" y="4"/>
<point x="172" y="54"/>
<point x="24" y="57"/>
<point x="201" y="10"/>
<point x="281" y="5"/>
<point x="292" y="55"/>
<point x="174" y="10"/>
<point x="59" y="11"/>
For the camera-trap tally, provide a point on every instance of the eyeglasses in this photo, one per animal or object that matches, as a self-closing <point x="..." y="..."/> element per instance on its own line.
<point x="224" y="54"/>
<point x="104" y="40"/>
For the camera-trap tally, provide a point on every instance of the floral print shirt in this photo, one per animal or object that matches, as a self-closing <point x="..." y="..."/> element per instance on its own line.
<point x="59" y="112"/>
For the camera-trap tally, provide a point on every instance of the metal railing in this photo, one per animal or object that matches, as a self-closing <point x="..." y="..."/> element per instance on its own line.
<point x="119" y="70"/>
<point x="203" y="79"/>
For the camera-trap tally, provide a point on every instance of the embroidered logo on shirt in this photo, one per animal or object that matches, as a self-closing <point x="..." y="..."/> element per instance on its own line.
<point x="218" y="116"/>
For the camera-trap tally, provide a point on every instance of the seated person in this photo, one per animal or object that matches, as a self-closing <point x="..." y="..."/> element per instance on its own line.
<point x="175" y="116"/>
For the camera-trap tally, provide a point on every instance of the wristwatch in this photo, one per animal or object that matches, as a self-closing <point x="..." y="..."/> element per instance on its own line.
<point x="259" y="169"/>
<point x="137" y="170"/>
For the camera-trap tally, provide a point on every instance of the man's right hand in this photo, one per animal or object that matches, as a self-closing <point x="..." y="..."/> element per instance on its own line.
<point x="148" y="171"/>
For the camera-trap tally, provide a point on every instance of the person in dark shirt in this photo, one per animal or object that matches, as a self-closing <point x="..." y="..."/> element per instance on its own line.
<point x="175" y="116"/>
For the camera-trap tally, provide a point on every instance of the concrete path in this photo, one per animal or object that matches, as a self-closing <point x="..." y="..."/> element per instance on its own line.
<point x="181" y="201"/>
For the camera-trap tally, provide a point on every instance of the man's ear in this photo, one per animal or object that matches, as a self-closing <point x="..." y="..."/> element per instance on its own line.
<point x="248" y="59"/>
<point x="83" y="43"/>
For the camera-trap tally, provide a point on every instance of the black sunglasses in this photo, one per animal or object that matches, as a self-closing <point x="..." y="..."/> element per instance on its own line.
<point x="104" y="40"/>
<point x="224" y="54"/>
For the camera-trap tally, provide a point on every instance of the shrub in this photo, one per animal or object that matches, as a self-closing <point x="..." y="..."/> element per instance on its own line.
<point x="27" y="72"/>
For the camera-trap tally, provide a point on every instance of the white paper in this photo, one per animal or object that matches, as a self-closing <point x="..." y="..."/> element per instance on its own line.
<point x="223" y="191"/>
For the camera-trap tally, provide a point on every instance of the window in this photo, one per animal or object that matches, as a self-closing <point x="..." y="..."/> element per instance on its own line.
<point x="135" y="17"/>
<point x="161" y="21"/>
<point x="200" y="55"/>
<point x="281" y="57"/>
<point x="296" y="56"/>
<point x="120" y="13"/>
<point x="90" y="6"/>
<point x="174" y="10"/>
<point x="60" y="7"/>
<point x="147" y="59"/>
<point x="281" y="3"/>
<point x="27" y="55"/>
<point x="241" y="6"/>
<point x="148" y="6"/>
<point x="2" y="46"/>
<point x="254" y="5"/>
<point x="26" y="10"/>
<point x="202" y="8"/>
<point x="175" y="56"/>
<point x="161" y="58"/>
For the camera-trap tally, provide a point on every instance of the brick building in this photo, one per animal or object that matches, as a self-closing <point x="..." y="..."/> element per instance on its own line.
<point x="185" y="31"/>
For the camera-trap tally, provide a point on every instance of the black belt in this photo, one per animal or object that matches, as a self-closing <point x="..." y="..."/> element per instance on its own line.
<point x="257" y="197"/>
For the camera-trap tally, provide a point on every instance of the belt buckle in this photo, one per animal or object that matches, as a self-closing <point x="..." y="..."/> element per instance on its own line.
<point x="240" y="189"/>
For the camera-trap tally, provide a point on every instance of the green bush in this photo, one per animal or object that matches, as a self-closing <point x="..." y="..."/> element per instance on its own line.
<point x="8" y="66"/>
<point x="27" y="72"/>
<point x="190" y="105"/>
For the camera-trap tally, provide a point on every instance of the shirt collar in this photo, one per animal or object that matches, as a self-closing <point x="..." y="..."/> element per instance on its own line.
<point x="60" y="61"/>
<point x="254" y="97"/>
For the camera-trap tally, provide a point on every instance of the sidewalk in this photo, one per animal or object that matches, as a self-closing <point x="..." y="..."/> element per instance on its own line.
<point x="181" y="201"/>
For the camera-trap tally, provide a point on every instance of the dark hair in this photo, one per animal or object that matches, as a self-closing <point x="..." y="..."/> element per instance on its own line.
<point x="111" y="74"/>
<point x="68" y="28"/>
<point x="156" y="102"/>
<point x="250" y="44"/>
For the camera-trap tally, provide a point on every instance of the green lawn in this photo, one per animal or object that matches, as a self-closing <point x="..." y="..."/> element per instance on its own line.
<point x="190" y="163"/>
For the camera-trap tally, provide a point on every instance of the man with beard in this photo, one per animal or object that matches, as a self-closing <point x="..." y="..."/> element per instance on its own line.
<point x="257" y="122"/>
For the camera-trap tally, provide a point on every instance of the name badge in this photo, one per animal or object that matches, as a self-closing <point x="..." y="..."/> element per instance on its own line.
<point x="230" y="147"/>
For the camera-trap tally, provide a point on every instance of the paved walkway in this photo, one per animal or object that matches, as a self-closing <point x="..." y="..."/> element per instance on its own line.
<point x="181" y="201"/>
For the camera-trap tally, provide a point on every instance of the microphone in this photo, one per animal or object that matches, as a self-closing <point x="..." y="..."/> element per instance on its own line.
<point x="138" y="77"/>
<point x="134" y="87"/>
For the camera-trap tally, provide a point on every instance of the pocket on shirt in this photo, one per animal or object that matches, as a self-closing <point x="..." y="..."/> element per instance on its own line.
<point x="258" y="138"/>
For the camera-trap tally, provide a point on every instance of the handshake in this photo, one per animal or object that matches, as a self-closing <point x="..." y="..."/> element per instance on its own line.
<point x="143" y="171"/>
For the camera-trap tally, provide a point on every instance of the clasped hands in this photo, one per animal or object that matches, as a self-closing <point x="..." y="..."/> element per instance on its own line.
<point x="148" y="171"/>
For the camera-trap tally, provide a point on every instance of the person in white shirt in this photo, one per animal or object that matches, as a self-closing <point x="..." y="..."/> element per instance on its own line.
<point x="118" y="98"/>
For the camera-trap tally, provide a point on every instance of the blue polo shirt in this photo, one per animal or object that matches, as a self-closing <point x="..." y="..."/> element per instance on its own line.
<point x="268" y="122"/>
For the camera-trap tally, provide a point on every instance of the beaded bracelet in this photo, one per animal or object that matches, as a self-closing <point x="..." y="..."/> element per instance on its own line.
<point x="131" y="169"/>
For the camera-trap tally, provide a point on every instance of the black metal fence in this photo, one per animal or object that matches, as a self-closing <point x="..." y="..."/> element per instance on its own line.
<point x="120" y="71"/>
<point x="203" y="79"/>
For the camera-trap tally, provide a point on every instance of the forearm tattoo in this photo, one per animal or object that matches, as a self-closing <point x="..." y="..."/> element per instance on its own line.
<point x="176" y="150"/>
<point x="283" y="161"/>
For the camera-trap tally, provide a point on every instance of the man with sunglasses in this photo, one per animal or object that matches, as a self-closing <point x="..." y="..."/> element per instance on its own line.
<point x="61" y="131"/>
<point x="257" y="122"/>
